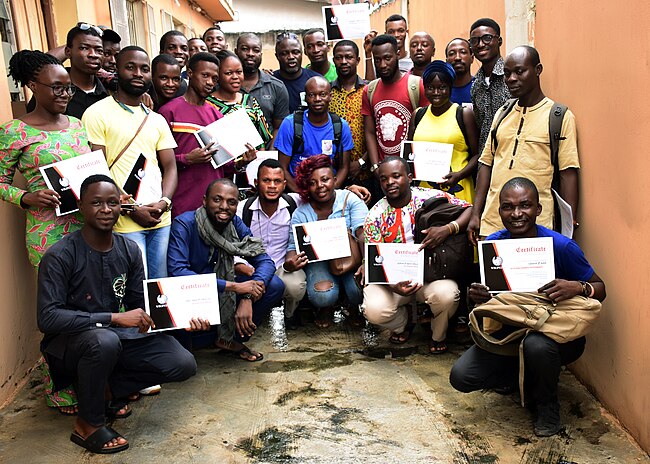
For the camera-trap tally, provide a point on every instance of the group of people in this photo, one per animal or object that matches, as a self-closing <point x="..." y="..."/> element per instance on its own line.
<point x="166" y="211"/>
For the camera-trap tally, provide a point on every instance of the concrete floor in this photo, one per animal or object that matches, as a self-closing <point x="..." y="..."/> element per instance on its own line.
<point x="340" y="395"/>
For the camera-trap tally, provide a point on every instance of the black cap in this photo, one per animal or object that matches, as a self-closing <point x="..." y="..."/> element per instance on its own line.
<point x="111" y="36"/>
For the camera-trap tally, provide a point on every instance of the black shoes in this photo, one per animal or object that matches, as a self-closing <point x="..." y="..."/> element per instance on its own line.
<point x="548" y="419"/>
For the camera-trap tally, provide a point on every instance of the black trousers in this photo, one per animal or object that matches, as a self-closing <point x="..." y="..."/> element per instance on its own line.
<point x="478" y="369"/>
<point x="98" y="357"/>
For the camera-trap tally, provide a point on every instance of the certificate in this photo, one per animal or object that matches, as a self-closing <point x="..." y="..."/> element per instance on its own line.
<point x="65" y="177"/>
<point x="350" y="21"/>
<point x="429" y="161"/>
<point x="322" y="240"/>
<point x="566" y="215"/>
<point x="173" y="301"/>
<point x="516" y="265"/>
<point x="253" y="166"/>
<point x="391" y="263"/>
<point x="231" y="133"/>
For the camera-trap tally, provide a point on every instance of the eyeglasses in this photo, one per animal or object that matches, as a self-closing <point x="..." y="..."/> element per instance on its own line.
<point x="86" y="26"/>
<point x="59" y="90"/>
<point x="486" y="39"/>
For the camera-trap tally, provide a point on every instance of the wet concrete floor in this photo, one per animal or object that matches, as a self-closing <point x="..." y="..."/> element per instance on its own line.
<point x="339" y="395"/>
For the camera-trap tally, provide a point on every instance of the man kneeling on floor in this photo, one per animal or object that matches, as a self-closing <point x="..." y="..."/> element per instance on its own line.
<point x="90" y="299"/>
<point x="206" y="241"/>
<point x="478" y="369"/>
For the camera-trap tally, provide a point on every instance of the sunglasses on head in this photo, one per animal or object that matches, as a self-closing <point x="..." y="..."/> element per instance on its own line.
<point x="286" y="35"/>
<point x="86" y="26"/>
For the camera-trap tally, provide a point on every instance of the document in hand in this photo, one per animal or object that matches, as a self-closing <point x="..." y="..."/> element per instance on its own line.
<point x="65" y="177"/>
<point x="429" y="161"/>
<point x="516" y="265"/>
<point x="322" y="240"/>
<point x="231" y="133"/>
<point x="392" y="263"/>
<point x="350" y="21"/>
<point x="173" y="301"/>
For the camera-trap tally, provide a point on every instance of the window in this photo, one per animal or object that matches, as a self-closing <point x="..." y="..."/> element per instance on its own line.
<point x="153" y="39"/>
<point x="120" y="20"/>
<point x="137" y="34"/>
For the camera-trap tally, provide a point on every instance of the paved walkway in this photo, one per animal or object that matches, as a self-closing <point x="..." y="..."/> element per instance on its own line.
<point x="339" y="395"/>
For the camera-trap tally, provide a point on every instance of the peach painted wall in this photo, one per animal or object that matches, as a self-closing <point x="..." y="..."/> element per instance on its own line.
<point x="612" y="108"/>
<point x="19" y="336"/>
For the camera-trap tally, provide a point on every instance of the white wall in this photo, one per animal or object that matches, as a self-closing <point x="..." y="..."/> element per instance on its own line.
<point x="271" y="15"/>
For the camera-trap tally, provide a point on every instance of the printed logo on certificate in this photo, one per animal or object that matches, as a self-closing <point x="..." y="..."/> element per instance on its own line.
<point x="65" y="177"/>
<point x="350" y="21"/>
<point x="173" y="301"/>
<point x="322" y="240"/>
<point x="392" y="263"/>
<point x="429" y="161"/>
<point x="516" y="265"/>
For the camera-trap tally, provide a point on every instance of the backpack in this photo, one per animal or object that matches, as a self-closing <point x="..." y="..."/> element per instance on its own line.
<point x="453" y="258"/>
<point x="555" y="119"/>
<point x="413" y="87"/>
<point x="298" y="146"/>
<point x="459" y="119"/>
<point x="247" y="212"/>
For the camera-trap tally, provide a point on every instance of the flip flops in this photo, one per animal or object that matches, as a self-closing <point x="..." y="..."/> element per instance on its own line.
<point x="438" y="347"/>
<point x="114" y="407"/>
<point x="247" y="351"/>
<point x="95" y="441"/>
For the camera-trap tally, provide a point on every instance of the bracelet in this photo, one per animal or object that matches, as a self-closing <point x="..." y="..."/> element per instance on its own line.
<point x="593" y="290"/>
<point x="456" y="226"/>
<point x="451" y="230"/>
<point x="368" y="57"/>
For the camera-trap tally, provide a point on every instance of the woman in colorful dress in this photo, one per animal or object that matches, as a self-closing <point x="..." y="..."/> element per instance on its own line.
<point x="228" y="97"/>
<point x="444" y="122"/>
<point x="44" y="136"/>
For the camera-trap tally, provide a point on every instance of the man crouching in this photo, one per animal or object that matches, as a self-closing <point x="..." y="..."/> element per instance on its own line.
<point x="90" y="299"/>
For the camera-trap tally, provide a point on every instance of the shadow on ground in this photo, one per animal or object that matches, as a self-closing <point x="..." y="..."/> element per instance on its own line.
<point x="339" y="395"/>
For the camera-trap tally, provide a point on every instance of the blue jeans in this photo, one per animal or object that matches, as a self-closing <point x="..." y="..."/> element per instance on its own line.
<point x="320" y="272"/>
<point x="153" y="245"/>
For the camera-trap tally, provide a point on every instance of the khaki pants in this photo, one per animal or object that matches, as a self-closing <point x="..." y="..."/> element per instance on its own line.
<point x="384" y="308"/>
<point x="295" y="285"/>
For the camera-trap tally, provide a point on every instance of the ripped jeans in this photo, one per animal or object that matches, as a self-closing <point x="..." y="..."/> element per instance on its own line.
<point x="328" y="294"/>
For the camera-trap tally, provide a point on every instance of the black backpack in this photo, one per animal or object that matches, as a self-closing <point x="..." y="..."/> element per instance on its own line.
<point x="555" y="119"/>
<point x="453" y="258"/>
<point x="247" y="213"/>
<point x="299" y="143"/>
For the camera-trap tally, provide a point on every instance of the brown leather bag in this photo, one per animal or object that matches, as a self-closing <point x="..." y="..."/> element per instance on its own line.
<point x="340" y="266"/>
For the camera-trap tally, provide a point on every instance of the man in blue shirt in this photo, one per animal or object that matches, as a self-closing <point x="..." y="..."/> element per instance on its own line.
<point x="478" y="369"/>
<point x="317" y="134"/>
<point x="459" y="54"/>
<point x="206" y="241"/>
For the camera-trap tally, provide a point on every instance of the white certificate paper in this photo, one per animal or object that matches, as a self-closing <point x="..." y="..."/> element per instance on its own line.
<point x="516" y="265"/>
<point x="429" y="161"/>
<point x="322" y="240"/>
<point x="253" y="166"/>
<point x="566" y="215"/>
<point x="350" y="21"/>
<point x="391" y="263"/>
<point x="173" y="301"/>
<point x="65" y="177"/>
<point x="231" y="133"/>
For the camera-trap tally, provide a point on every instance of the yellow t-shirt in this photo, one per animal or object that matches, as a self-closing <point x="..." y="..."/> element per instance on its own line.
<point x="524" y="150"/>
<point x="111" y="125"/>
<point x="445" y="129"/>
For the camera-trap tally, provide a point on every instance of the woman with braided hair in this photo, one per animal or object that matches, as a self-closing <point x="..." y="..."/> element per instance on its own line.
<point x="43" y="136"/>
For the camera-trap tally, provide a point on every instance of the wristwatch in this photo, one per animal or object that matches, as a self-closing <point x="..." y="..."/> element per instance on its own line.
<point x="374" y="167"/>
<point x="168" y="201"/>
<point x="361" y="162"/>
<point x="247" y="296"/>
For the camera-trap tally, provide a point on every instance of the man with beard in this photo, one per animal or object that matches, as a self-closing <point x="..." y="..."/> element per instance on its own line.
<point x="186" y="116"/>
<point x="166" y="78"/>
<point x="139" y="150"/>
<point x="459" y="55"/>
<point x="387" y="105"/>
<point x="206" y="241"/>
<point x="90" y="300"/>
<point x="215" y="39"/>
<point x="288" y="51"/>
<point x="85" y="49"/>
<point x="268" y="90"/>
<point x="422" y="48"/>
<point x="347" y="91"/>
<point x="316" y="49"/>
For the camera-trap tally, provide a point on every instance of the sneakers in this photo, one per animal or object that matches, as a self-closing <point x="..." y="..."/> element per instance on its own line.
<point x="150" y="391"/>
<point x="548" y="419"/>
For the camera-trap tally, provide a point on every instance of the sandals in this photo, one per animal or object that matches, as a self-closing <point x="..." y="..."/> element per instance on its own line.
<point x="113" y="408"/>
<point x="402" y="337"/>
<point x="71" y="410"/>
<point x="95" y="441"/>
<point x="324" y="318"/>
<point x="247" y="351"/>
<point x="438" y="347"/>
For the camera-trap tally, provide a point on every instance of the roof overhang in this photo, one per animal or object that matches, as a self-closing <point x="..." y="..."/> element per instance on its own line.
<point x="218" y="10"/>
